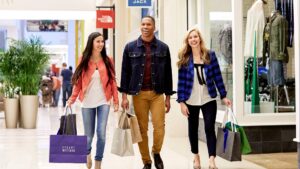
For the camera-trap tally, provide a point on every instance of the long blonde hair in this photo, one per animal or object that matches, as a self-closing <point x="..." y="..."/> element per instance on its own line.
<point x="186" y="50"/>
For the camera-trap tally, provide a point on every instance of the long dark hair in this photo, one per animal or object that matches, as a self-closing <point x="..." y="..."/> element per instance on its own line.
<point x="86" y="56"/>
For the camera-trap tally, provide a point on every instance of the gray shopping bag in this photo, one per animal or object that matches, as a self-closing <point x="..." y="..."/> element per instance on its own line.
<point x="122" y="140"/>
<point x="229" y="145"/>
<point x="229" y="141"/>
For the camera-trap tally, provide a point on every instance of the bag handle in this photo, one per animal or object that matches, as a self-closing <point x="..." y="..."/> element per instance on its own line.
<point x="229" y="113"/>
<point x="72" y="120"/>
<point x="123" y="121"/>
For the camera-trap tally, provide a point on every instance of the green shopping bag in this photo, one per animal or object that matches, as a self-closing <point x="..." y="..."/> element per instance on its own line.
<point x="245" y="146"/>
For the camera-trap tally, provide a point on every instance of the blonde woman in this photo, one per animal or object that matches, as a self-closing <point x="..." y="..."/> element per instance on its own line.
<point x="199" y="78"/>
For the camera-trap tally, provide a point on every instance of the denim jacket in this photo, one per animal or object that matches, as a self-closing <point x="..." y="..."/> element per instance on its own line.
<point x="133" y="67"/>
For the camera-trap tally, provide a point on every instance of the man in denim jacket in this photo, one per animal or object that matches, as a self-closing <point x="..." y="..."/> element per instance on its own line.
<point x="147" y="75"/>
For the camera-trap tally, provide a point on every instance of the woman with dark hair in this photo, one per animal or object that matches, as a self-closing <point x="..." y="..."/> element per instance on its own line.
<point x="94" y="83"/>
<point x="199" y="78"/>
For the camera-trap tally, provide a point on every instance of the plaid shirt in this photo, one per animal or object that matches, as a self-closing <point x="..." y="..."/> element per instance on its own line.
<point x="213" y="79"/>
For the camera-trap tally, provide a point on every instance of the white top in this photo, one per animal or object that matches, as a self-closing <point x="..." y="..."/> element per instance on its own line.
<point x="255" y="22"/>
<point x="199" y="95"/>
<point x="94" y="95"/>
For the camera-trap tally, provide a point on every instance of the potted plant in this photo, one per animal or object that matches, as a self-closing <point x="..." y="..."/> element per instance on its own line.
<point x="32" y="61"/>
<point x="8" y="69"/>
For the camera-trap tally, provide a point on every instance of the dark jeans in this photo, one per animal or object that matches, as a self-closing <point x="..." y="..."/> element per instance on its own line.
<point x="67" y="91"/>
<point x="209" y="111"/>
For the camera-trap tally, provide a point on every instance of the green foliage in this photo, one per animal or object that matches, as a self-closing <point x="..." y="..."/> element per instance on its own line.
<point x="23" y="65"/>
<point x="8" y="70"/>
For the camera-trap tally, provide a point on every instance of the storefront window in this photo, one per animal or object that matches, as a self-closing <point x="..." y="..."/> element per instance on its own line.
<point x="221" y="43"/>
<point x="269" y="64"/>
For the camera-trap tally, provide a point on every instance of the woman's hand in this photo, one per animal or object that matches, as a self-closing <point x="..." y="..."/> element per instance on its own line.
<point x="184" y="109"/>
<point x="227" y="102"/>
<point x="116" y="107"/>
<point x="69" y="103"/>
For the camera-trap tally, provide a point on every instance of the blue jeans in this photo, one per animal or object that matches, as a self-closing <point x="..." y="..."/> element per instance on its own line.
<point x="89" y="116"/>
<point x="67" y="92"/>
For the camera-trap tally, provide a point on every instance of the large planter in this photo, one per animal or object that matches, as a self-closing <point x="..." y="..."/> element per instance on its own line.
<point x="29" y="109"/>
<point x="11" y="110"/>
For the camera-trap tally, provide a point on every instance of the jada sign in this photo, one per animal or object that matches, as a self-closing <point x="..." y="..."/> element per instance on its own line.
<point x="105" y="19"/>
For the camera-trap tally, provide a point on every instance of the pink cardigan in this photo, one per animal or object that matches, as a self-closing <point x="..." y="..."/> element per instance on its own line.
<point x="83" y="82"/>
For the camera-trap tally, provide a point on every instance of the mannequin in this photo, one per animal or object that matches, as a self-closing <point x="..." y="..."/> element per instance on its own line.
<point x="275" y="38"/>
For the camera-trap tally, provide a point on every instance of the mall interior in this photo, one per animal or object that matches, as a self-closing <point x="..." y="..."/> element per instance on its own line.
<point x="266" y="109"/>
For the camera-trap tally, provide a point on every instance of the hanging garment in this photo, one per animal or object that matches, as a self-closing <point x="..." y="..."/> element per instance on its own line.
<point x="278" y="38"/>
<point x="286" y="8"/>
<point x="225" y="41"/>
<point x="255" y="23"/>
<point x="266" y="43"/>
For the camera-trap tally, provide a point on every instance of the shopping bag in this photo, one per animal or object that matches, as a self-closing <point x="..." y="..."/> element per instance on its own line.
<point x="228" y="145"/>
<point x="67" y="123"/>
<point x="68" y="149"/>
<point x="134" y="126"/>
<point x="229" y="141"/>
<point x="122" y="139"/>
<point x="135" y="130"/>
<point x="245" y="146"/>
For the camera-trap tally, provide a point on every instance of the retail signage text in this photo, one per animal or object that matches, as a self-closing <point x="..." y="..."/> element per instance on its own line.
<point x="139" y="3"/>
<point x="105" y="19"/>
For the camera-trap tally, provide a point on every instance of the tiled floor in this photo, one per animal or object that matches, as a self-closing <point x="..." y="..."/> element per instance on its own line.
<point x="29" y="148"/>
<point x="275" y="160"/>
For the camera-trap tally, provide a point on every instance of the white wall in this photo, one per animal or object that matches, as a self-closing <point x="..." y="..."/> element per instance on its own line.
<point x="122" y="20"/>
<point x="48" y="5"/>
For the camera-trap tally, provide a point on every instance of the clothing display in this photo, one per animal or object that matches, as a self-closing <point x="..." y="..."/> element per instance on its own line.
<point x="255" y="23"/>
<point x="225" y="41"/>
<point x="276" y="73"/>
<point x="275" y="39"/>
<point x="278" y="38"/>
<point x="286" y="8"/>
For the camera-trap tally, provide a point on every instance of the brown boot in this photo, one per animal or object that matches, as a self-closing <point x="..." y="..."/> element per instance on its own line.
<point x="89" y="161"/>
<point x="97" y="164"/>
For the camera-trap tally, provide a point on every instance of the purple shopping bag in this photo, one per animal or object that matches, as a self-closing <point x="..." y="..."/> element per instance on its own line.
<point x="68" y="149"/>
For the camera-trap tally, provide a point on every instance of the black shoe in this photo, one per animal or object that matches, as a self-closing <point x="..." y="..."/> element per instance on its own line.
<point x="158" y="161"/>
<point x="147" y="166"/>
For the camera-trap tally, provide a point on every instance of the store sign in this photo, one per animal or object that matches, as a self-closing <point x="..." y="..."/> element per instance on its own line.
<point x="139" y="3"/>
<point x="105" y="19"/>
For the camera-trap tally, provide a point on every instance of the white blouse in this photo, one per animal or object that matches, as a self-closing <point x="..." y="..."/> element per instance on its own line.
<point x="94" y="95"/>
<point x="199" y="95"/>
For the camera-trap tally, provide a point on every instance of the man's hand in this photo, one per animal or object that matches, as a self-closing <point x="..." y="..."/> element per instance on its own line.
<point x="167" y="104"/>
<point x="116" y="107"/>
<point x="125" y="102"/>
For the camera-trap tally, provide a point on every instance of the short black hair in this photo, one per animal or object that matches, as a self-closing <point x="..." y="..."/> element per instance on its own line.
<point x="150" y="17"/>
